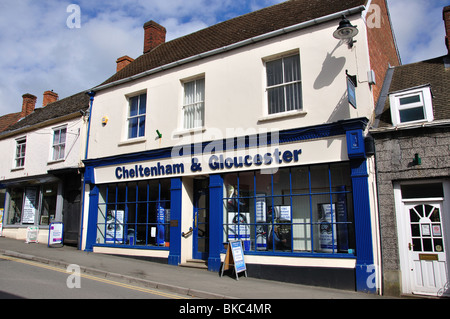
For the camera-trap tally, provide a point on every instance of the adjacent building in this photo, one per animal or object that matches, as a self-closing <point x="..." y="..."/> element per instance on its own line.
<point x="412" y="138"/>
<point x="41" y="167"/>
<point x="253" y="129"/>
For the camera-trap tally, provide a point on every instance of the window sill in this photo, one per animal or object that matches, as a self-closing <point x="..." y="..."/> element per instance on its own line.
<point x="17" y="169"/>
<point x="56" y="161"/>
<point x="191" y="131"/>
<point x="282" y="116"/>
<point x="133" y="141"/>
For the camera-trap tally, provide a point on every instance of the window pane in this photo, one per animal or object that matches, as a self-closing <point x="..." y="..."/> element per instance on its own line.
<point x="142" y="126"/>
<point x="143" y="104"/>
<point x="412" y="114"/>
<point x="15" y="206"/>
<point x="422" y="190"/>
<point x="189" y="93"/>
<point x="276" y="100"/>
<point x="200" y="90"/>
<point x="292" y="69"/>
<point x="133" y="128"/>
<point x="134" y="105"/>
<point x="56" y="137"/>
<point x="294" y="97"/>
<point x="410" y="99"/>
<point x="274" y="72"/>
<point x="62" y="136"/>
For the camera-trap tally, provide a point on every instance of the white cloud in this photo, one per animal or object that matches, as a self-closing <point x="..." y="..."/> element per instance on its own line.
<point x="419" y="28"/>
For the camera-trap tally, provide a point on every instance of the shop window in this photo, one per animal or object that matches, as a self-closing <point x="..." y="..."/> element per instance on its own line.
<point x="136" y="116"/>
<point x="194" y="104"/>
<point x="293" y="210"/>
<point x="32" y="205"/>
<point x="134" y="214"/>
<point x="15" y="206"/>
<point x="284" y="85"/>
<point x="48" y="207"/>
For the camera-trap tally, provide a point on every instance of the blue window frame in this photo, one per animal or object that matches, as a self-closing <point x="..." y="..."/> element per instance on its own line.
<point x="137" y="116"/>
<point x="134" y="214"/>
<point x="305" y="210"/>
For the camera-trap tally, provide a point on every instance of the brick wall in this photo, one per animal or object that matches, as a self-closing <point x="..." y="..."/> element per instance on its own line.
<point x="382" y="47"/>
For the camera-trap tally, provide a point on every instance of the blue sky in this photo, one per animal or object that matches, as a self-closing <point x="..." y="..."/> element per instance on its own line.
<point x="39" y="52"/>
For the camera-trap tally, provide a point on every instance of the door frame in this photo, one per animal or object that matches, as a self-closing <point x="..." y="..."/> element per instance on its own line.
<point x="403" y="226"/>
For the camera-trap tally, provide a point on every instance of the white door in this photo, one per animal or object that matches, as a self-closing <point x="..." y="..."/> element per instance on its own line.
<point x="426" y="249"/>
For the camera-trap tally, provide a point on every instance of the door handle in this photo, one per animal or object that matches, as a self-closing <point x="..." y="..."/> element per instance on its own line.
<point x="188" y="233"/>
<point x="410" y="246"/>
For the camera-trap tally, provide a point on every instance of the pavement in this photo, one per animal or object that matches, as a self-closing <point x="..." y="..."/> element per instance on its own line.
<point x="185" y="281"/>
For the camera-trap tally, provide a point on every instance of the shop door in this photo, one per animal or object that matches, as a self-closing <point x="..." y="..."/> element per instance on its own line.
<point x="201" y="220"/>
<point x="428" y="265"/>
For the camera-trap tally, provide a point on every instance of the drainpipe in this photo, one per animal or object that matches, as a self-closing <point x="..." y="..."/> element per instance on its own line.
<point x="91" y="96"/>
<point x="83" y="182"/>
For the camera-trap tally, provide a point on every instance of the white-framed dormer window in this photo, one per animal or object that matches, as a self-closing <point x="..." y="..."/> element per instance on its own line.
<point x="194" y="104"/>
<point x="137" y="109"/>
<point x="19" y="159"/>
<point x="59" y="143"/>
<point x="411" y="106"/>
<point x="284" y="84"/>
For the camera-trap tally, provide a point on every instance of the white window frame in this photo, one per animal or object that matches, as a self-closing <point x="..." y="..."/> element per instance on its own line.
<point x="425" y="101"/>
<point x="284" y="84"/>
<point x="196" y="107"/>
<point x="59" y="145"/>
<point x="138" y="116"/>
<point x="19" y="159"/>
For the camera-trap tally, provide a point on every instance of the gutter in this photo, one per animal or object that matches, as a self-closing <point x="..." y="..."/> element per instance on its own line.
<point x="233" y="46"/>
<point x="434" y="124"/>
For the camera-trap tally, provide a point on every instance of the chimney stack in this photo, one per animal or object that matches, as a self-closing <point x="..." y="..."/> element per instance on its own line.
<point x="49" y="97"/>
<point x="154" y="35"/>
<point x="123" y="62"/>
<point x="28" y="105"/>
<point x="447" y="26"/>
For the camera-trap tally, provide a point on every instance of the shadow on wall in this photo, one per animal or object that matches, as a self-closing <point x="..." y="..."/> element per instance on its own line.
<point x="331" y="68"/>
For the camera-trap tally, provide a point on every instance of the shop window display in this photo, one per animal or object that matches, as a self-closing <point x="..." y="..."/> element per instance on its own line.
<point x="290" y="210"/>
<point x="134" y="214"/>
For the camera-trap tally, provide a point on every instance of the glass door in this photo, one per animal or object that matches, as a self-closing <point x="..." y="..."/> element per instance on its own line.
<point x="201" y="219"/>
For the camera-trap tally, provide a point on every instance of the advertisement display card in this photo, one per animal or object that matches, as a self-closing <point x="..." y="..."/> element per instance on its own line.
<point x="32" y="234"/>
<point x="235" y="257"/>
<point x="55" y="234"/>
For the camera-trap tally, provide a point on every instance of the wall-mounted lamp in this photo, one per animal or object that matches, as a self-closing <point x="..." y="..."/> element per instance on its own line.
<point x="159" y="134"/>
<point x="105" y="120"/>
<point x="417" y="160"/>
<point x="346" y="31"/>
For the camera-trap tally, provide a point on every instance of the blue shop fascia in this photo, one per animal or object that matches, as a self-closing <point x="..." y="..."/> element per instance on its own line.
<point x="301" y="205"/>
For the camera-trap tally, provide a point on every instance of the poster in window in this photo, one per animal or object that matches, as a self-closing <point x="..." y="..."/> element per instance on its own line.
<point x="114" y="227"/>
<point x="239" y="228"/>
<point x="29" y="207"/>
<point x="327" y="228"/>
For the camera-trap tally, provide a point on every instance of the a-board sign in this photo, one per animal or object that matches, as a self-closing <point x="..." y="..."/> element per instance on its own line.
<point x="55" y="234"/>
<point x="235" y="257"/>
<point x="32" y="234"/>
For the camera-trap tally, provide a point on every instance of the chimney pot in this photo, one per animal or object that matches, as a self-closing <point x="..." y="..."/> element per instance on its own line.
<point x="28" y="104"/>
<point x="446" y="16"/>
<point x="154" y="35"/>
<point x="49" y="97"/>
<point x="123" y="62"/>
